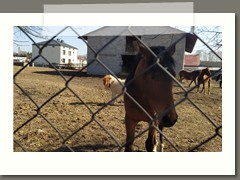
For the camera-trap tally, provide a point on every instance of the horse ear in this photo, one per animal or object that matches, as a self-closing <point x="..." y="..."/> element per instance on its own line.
<point x="172" y="49"/>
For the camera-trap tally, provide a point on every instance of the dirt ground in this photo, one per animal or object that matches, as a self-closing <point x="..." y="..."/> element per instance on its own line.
<point x="78" y="112"/>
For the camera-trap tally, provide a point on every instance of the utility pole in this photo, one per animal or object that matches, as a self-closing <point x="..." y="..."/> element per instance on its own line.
<point x="192" y="29"/>
<point x="19" y="50"/>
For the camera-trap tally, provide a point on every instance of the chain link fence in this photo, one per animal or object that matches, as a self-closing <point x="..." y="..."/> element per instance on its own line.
<point x="69" y="110"/>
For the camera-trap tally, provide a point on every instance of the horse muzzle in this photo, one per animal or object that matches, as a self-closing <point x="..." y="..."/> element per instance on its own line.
<point x="169" y="120"/>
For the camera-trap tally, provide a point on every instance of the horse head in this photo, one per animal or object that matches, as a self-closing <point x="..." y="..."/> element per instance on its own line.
<point x="150" y="85"/>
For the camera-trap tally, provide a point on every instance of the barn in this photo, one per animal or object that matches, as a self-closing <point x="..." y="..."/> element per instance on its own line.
<point x="56" y="52"/>
<point x="191" y="60"/>
<point x="118" y="56"/>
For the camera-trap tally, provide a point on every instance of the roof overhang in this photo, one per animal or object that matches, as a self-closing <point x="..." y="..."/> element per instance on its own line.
<point x="191" y="40"/>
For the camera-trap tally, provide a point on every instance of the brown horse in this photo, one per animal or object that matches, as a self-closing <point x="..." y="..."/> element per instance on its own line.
<point x="189" y="75"/>
<point x="149" y="94"/>
<point x="204" y="76"/>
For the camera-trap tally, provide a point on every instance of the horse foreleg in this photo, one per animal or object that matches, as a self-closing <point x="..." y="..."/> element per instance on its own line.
<point x="198" y="87"/>
<point x="151" y="142"/>
<point x="130" y="130"/>
<point x="161" y="140"/>
<point x="195" y="82"/>
<point x="209" y="84"/>
<point x="203" y="88"/>
<point x="180" y="78"/>
<point x="191" y="83"/>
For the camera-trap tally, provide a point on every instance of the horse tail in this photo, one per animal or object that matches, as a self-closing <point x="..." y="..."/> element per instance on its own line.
<point x="180" y="75"/>
<point x="218" y="77"/>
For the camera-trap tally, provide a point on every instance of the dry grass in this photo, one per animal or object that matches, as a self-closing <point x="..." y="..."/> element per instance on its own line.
<point x="68" y="114"/>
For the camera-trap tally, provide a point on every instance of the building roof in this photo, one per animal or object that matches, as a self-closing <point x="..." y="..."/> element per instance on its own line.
<point x="192" y="60"/>
<point x="143" y="30"/>
<point x="137" y="30"/>
<point x="55" y="43"/>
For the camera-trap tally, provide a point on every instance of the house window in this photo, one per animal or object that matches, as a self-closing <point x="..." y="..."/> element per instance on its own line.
<point x="64" y="52"/>
<point x="69" y="61"/>
<point x="69" y="53"/>
<point x="62" y="60"/>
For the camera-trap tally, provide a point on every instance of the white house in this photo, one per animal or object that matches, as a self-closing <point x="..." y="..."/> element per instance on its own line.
<point x="56" y="52"/>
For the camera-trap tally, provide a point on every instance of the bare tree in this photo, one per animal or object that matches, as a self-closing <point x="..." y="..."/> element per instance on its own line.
<point x="211" y="38"/>
<point x="20" y="39"/>
<point x="212" y="35"/>
<point x="34" y="31"/>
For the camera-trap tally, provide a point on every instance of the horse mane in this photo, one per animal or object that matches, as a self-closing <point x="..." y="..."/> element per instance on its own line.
<point x="203" y="71"/>
<point x="132" y="72"/>
<point x="166" y="61"/>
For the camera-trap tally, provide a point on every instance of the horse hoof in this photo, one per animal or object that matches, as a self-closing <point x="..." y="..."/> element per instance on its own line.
<point x="129" y="149"/>
<point x="155" y="149"/>
<point x="162" y="148"/>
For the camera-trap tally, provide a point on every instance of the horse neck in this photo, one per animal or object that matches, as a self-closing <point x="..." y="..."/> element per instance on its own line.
<point x="206" y="72"/>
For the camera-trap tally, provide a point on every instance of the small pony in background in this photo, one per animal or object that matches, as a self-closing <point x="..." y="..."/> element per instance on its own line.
<point x="189" y="75"/>
<point x="112" y="84"/>
<point x="204" y="76"/>
<point x="219" y="78"/>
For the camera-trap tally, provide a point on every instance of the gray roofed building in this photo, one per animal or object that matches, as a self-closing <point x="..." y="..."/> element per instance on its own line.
<point x="137" y="30"/>
<point x="57" y="42"/>
<point x="118" y="56"/>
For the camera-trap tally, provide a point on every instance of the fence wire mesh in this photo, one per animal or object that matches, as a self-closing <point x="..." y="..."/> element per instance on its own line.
<point x="69" y="110"/>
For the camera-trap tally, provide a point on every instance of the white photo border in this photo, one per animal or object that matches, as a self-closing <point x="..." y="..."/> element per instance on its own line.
<point x="118" y="163"/>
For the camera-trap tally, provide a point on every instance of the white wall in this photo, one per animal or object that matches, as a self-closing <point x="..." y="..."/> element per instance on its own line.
<point x="67" y="57"/>
<point x="110" y="56"/>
